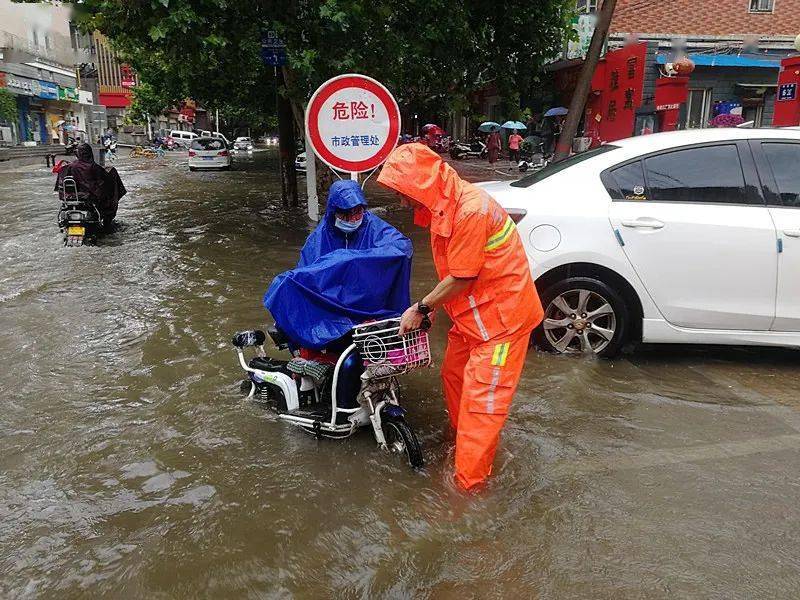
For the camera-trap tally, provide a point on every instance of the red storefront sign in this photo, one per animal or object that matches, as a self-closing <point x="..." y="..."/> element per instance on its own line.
<point x="617" y="89"/>
<point x="128" y="78"/>
<point x="115" y="99"/>
<point x="671" y="93"/>
<point x="787" y="101"/>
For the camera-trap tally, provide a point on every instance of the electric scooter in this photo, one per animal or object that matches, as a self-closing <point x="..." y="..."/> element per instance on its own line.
<point x="359" y="390"/>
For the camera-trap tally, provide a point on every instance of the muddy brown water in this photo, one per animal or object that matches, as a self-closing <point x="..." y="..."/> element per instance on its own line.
<point x="131" y="467"/>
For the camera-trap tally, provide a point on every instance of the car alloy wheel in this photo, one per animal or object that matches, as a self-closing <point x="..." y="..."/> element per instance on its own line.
<point x="579" y="321"/>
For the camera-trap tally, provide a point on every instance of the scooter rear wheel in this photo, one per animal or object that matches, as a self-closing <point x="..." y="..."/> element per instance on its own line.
<point x="400" y="438"/>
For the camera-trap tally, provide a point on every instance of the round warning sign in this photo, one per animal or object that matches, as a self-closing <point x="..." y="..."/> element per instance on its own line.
<point x="353" y="123"/>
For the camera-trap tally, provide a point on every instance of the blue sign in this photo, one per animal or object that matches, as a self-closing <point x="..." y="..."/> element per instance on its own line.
<point x="48" y="90"/>
<point x="273" y="50"/>
<point x="273" y="57"/>
<point x="787" y="91"/>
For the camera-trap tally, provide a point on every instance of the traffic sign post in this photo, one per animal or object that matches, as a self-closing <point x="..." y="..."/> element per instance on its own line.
<point x="352" y="123"/>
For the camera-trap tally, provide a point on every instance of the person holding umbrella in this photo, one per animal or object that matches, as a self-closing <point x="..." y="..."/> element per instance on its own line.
<point x="493" y="144"/>
<point x="514" y="140"/>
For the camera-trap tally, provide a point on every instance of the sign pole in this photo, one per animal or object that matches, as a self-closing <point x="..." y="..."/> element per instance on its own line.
<point x="354" y="176"/>
<point x="311" y="182"/>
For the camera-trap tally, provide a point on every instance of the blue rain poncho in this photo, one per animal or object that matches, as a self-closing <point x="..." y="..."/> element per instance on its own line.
<point x="342" y="280"/>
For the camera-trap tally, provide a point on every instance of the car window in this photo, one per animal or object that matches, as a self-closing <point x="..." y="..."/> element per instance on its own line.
<point x="630" y="182"/>
<point x="784" y="160"/>
<point x="207" y="144"/>
<point x="554" y="168"/>
<point x="707" y="174"/>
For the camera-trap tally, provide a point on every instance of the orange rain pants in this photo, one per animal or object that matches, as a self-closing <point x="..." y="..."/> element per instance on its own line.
<point x="472" y="237"/>
<point x="479" y="383"/>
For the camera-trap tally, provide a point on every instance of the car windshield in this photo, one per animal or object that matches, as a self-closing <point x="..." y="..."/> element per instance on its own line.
<point x="554" y="168"/>
<point x="208" y="144"/>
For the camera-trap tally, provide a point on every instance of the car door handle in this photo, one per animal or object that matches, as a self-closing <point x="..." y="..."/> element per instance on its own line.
<point x="792" y="232"/>
<point x="644" y="223"/>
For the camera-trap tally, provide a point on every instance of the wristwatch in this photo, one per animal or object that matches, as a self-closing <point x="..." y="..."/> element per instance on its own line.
<point x="423" y="308"/>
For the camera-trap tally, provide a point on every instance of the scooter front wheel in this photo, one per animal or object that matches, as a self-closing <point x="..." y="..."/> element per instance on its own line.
<point x="401" y="439"/>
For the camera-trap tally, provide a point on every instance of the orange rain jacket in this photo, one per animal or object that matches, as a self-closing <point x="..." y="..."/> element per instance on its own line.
<point x="473" y="237"/>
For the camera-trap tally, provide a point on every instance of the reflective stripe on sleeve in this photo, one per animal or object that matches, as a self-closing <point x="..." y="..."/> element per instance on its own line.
<point x="502" y="236"/>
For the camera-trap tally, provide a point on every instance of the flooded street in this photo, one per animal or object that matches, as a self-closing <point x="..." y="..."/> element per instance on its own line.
<point x="131" y="466"/>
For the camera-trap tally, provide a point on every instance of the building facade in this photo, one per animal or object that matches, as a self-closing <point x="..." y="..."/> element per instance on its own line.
<point x="736" y="46"/>
<point x="40" y="51"/>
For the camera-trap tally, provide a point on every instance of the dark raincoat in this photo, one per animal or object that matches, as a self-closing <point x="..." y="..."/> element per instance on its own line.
<point x="342" y="280"/>
<point x="103" y="188"/>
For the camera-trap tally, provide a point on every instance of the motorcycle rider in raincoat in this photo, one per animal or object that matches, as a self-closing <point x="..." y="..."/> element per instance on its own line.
<point x="487" y="291"/>
<point x="354" y="267"/>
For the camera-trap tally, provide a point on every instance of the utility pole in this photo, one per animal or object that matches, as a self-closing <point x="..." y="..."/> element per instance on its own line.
<point x="582" y="88"/>
<point x="217" y="120"/>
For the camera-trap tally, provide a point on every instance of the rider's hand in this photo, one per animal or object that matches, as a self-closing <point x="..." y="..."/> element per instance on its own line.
<point x="411" y="319"/>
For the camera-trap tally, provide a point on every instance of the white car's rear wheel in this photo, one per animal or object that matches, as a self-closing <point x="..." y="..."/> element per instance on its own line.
<point x="583" y="316"/>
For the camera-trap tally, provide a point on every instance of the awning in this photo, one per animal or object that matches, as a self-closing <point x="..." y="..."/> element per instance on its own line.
<point x="726" y="60"/>
<point x="757" y="85"/>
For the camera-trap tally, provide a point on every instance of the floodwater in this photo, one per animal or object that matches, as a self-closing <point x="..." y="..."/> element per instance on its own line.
<point x="130" y="466"/>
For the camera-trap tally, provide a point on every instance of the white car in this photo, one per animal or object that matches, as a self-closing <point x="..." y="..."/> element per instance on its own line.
<point x="209" y="153"/>
<point x="183" y="138"/>
<point x="684" y="237"/>
<point x="300" y="162"/>
<point x="243" y="143"/>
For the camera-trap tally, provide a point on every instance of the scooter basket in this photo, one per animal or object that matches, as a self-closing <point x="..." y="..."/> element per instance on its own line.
<point x="386" y="353"/>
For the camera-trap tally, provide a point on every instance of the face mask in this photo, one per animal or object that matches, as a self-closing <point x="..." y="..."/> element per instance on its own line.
<point x="347" y="226"/>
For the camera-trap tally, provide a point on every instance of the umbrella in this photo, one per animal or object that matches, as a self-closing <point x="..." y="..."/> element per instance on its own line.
<point x="489" y="126"/>
<point x="556" y="112"/>
<point x="513" y="125"/>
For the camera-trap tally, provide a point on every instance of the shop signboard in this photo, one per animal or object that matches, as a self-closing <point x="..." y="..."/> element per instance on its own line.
<point x="20" y="85"/>
<point x="85" y="97"/>
<point x="787" y="92"/>
<point x="67" y="93"/>
<point x="353" y="123"/>
<point x="47" y="90"/>
<point x="128" y="78"/>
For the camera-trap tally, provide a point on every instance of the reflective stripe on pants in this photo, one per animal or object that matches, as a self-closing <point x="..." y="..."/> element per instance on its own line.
<point x="479" y="384"/>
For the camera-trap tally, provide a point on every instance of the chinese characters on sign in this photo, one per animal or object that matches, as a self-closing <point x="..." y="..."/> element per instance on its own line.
<point x="612" y="110"/>
<point x="355" y="140"/>
<point x="787" y="91"/>
<point x="631" y="67"/>
<point x="356" y="110"/>
<point x="614" y="80"/>
<point x="629" y="99"/>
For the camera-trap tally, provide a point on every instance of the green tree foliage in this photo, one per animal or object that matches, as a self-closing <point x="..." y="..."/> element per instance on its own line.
<point x="8" y="106"/>
<point x="431" y="53"/>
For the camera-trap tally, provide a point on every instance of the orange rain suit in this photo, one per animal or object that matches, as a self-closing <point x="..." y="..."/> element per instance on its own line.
<point x="473" y="237"/>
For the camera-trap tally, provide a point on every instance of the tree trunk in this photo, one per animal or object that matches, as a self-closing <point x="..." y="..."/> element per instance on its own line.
<point x="581" y="93"/>
<point x="286" y="143"/>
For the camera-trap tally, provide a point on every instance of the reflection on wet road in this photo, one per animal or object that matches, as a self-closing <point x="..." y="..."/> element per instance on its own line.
<point x="131" y="467"/>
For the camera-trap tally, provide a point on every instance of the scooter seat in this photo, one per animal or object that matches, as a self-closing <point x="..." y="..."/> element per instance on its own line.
<point x="263" y="363"/>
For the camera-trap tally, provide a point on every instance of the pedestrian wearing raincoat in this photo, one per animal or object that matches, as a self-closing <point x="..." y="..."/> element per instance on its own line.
<point x="487" y="291"/>
<point x="354" y="267"/>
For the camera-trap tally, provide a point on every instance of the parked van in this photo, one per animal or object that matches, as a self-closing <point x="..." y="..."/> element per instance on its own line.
<point x="183" y="138"/>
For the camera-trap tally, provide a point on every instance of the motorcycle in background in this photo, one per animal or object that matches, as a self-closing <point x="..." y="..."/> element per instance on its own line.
<point x="78" y="217"/>
<point x="474" y="149"/>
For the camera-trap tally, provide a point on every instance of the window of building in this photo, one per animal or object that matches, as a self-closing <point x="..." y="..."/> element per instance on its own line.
<point x="698" y="108"/>
<point x="587" y="6"/>
<point x="762" y="5"/>
<point x="783" y="160"/>
<point x="708" y="174"/>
